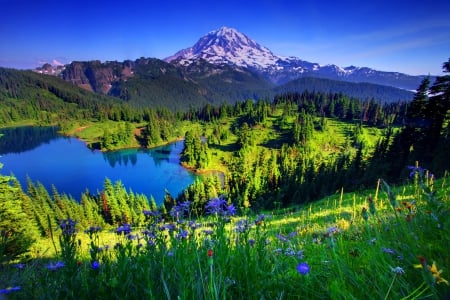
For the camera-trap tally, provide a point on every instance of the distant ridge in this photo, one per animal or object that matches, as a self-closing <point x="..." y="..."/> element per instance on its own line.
<point x="229" y="46"/>
<point x="227" y="66"/>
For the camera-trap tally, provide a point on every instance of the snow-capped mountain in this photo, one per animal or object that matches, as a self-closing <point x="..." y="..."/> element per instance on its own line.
<point x="229" y="46"/>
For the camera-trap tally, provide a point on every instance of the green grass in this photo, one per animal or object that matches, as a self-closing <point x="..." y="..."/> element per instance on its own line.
<point x="350" y="254"/>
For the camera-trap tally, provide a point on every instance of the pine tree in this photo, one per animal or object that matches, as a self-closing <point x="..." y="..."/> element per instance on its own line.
<point x="17" y="233"/>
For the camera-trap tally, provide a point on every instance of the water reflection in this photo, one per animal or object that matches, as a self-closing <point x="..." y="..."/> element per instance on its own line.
<point x="25" y="138"/>
<point x="121" y="158"/>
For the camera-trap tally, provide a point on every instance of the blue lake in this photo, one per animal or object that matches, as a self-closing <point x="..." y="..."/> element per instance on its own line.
<point x="65" y="162"/>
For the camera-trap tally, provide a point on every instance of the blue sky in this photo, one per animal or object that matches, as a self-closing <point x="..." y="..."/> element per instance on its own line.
<point x="406" y="36"/>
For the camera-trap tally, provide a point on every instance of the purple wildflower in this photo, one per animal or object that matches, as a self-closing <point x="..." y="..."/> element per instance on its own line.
<point x="55" y="266"/>
<point x="182" y="234"/>
<point x="230" y="210"/>
<point x="251" y="242"/>
<point x="9" y="290"/>
<point x="332" y="230"/>
<point x="68" y="226"/>
<point x="282" y="237"/>
<point x="216" y="205"/>
<point x="303" y="268"/>
<point x="242" y="226"/>
<point x="95" y="265"/>
<point x="132" y="237"/>
<point x="259" y="219"/>
<point x="19" y="266"/>
<point x="290" y="252"/>
<point x="148" y="234"/>
<point x="93" y="229"/>
<point x="193" y="225"/>
<point x="421" y="172"/>
<point x="170" y="227"/>
<point x="388" y="250"/>
<point x="208" y="231"/>
<point x="124" y="229"/>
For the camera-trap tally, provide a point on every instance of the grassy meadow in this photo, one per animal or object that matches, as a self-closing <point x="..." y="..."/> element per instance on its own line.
<point x="385" y="243"/>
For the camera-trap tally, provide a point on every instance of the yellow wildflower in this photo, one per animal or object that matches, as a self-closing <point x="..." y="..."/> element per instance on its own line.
<point x="437" y="273"/>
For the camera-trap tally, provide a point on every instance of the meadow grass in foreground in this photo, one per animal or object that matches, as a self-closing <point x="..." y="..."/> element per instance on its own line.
<point x="389" y="243"/>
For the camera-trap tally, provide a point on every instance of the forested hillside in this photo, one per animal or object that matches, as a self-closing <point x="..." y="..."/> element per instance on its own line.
<point x="294" y="149"/>
<point x="262" y="155"/>
<point x="152" y="82"/>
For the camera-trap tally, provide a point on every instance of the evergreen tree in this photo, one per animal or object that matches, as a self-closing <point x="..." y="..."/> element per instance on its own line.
<point x="17" y="233"/>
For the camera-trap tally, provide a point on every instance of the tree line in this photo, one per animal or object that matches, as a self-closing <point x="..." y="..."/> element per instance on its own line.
<point x="287" y="170"/>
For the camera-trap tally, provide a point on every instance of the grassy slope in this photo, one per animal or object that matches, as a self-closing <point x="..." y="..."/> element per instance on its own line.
<point x="348" y="257"/>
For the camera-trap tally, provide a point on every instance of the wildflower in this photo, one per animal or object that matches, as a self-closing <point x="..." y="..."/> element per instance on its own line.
<point x="149" y="213"/>
<point x="170" y="227"/>
<point x="278" y="250"/>
<point x="332" y="230"/>
<point x="124" y="229"/>
<point x="282" y="237"/>
<point x="437" y="274"/>
<point x="9" y="290"/>
<point x="303" y="268"/>
<point x="229" y="281"/>
<point x="182" y="234"/>
<point x="208" y="231"/>
<point x="177" y="212"/>
<point x="68" y="226"/>
<point x="398" y="270"/>
<point x="242" y="225"/>
<point x="251" y="242"/>
<point x="416" y="170"/>
<point x="93" y="229"/>
<point x="289" y="252"/>
<point x="193" y="225"/>
<point x="19" y="266"/>
<point x="423" y="263"/>
<point x="95" y="265"/>
<point x="210" y="252"/>
<point x="148" y="233"/>
<point x="55" y="266"/>
<point x="230" y="210"/>
<point x="259" y="219"/>
<point x="216" y="205"/>
<point x="132" y="237"/>
<point x="388" y="250"/>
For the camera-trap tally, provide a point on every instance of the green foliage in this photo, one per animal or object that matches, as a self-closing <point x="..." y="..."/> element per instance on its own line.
<point x="17" y="233"/>
<point x="328" y="249"/>
<point x="195" y="153"/>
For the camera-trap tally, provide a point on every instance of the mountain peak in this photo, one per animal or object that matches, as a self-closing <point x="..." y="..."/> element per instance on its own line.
<point x="227" y="46"/>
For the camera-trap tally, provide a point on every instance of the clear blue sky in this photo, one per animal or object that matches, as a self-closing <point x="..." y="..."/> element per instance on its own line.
<point x="406" y="36"/>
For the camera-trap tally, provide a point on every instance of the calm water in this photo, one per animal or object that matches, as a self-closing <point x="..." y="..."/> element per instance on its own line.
<point x="44" y="156"/>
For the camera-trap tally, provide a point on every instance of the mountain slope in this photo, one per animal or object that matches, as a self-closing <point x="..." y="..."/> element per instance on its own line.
<point x="229" y="46"/>
<point x="359" y="90"/>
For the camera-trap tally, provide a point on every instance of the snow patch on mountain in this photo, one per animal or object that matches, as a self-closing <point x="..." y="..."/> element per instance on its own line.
<point x="229" y="46"/>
